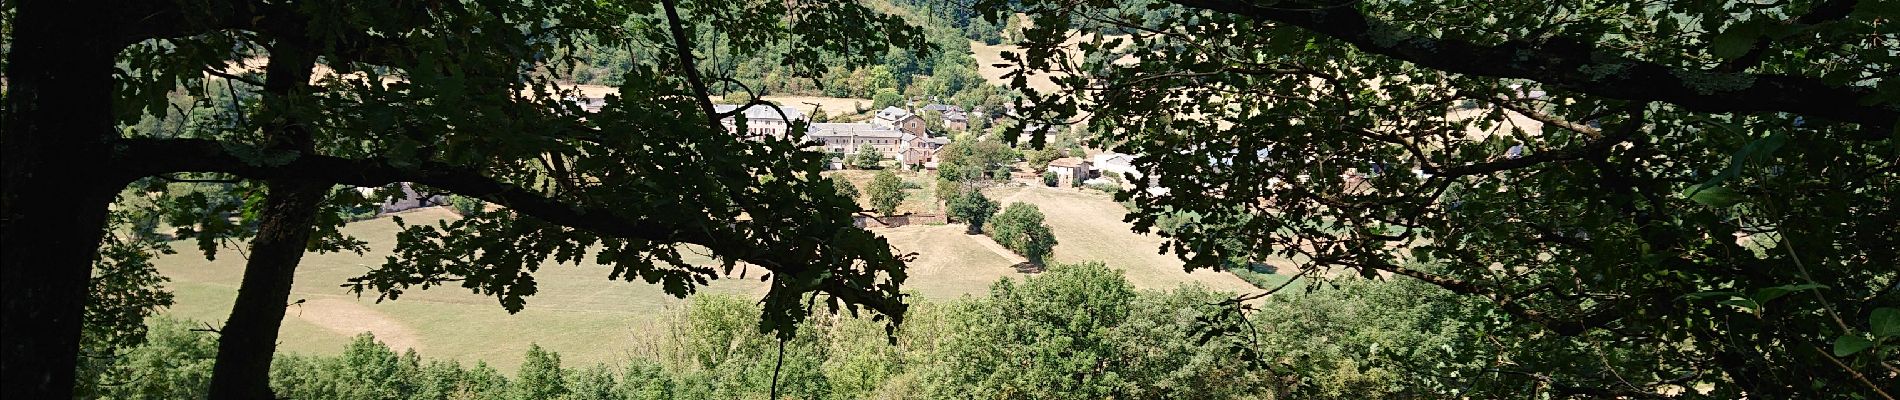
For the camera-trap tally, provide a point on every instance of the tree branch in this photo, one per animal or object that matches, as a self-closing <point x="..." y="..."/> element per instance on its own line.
<point x="685" y="48"/>
<point x="147" y="157"/>
<point x="1579" y="66"/>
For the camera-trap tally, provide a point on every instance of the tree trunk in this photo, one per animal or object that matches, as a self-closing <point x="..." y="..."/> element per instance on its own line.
<point x="56" y="190"/>
<point x="248" y="340"/>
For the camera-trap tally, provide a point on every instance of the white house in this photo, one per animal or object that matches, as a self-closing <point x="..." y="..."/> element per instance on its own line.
<point x="760" y="121"/>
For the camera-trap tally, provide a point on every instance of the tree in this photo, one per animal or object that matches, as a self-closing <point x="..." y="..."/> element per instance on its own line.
<point x="867" y="157"/>
<point x="540" y="376"/>
<point x="1020" y="228"/>
<point x="845" y="188"/>
<point x="886" y="97"/>
<point x="1052" y="336"/>
<point x="458" y="123"/>
<point x="1038" y="160"/>
<point x="886" y="192"/>
<point x="973" y="209"/>
<point x="1665" y="134"/>
<point x="1049" y="179"/>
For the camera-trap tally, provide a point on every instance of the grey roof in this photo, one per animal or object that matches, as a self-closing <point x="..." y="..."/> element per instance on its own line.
<point x="761" y="113"/>
<point x="893" y="113"/>
<point x="943" y="108"/>
<point x="852" y="129"/>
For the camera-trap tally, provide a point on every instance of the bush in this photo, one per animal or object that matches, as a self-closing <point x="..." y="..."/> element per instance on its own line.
<point x="1105" y="187"/>
<point x="1020" y="228"/>
<point x="1049" y="179"/>
<point x="466" y="206"/>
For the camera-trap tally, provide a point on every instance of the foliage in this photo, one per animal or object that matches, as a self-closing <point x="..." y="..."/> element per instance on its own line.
<point x="866" y="157"/>
<point x="845" y="188"/>
<point x="466" y="206"/>
<point x="1020" y="228"/>
<point x="973" y="209"/>
<point x="1049" y="179"/>
<point x="972" y="161"/>
<point x="1042" y="337"/>
<point x="126" y="290"/>
<point x="173" y="362"/>
<point x="1080" y="331"/>
<point x="886" y="97"/>
<point x="1665" y="133"/>
<point x="885" y="192"/>
<point x="540" y="376"/>
<point x="1039" y="159"/>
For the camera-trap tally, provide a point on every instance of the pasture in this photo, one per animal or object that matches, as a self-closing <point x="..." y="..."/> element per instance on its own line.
<point x="590" y="319"/>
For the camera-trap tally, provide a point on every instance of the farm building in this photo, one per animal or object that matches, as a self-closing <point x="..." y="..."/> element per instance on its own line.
<point x="760" y="121"/>
<point x="1069" y="170"/>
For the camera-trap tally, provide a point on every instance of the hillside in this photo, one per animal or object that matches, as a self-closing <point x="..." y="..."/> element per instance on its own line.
<point x="590" y="319"/>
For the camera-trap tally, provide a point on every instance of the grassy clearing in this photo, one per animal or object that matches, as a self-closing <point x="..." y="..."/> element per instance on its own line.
<point x="922" y="200"/>
<point x="589" y="319"/>
<point x="1088" y="226"/>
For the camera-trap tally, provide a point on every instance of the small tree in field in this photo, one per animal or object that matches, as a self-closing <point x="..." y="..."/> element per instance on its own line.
<point x="973" y="209"/>
<point x="886" y="192"/>
<point x="845" y="188"/>
<point x="867" y="157"/>
<point x="1020" y="228"/>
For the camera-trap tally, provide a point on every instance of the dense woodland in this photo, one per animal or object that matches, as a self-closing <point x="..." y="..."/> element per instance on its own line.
<point x="1705" y="208"/>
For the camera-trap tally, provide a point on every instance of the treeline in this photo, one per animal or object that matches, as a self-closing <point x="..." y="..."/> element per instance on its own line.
<point x="945" y="73"/>
<point x="1078" y="331"/>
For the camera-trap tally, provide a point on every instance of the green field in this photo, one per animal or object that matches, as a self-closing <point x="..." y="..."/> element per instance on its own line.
<point x="590" y="319"/>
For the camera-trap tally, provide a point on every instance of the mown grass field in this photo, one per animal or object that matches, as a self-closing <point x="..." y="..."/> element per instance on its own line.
<point x="590" y="319"/>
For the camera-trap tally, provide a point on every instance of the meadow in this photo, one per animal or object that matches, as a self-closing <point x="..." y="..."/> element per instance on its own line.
<point x="590" y="319"/>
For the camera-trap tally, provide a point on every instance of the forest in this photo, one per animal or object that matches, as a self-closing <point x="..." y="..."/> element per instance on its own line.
<point x="1435" y="199"/>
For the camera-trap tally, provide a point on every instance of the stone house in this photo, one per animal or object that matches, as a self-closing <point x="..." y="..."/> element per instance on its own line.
<point x="848" y="137"/>
<point x="1069" y="170"/>
<point x="761" y="121"/>
<point x="899" y="119"/>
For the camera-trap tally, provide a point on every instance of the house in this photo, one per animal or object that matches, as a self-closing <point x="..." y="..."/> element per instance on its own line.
<point x="589" y="104"/>
<point x="409" y="199"/>
<point x="956" y="121"/>
<point x="1030" y="129"/>
<point x="848" y="137"/>
<point x="952" y="117"/>
<point x="921" y="151"/>
<point x="1070" y="171"/>
<point x="1115" y="164"/>
<point x="899" y="119"/>
<point x="760" y="121"/>
<point x="942" y="108"/>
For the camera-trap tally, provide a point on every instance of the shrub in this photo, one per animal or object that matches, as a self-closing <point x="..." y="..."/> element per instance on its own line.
<point x="466" y="206"/>
<point x="1049" y="179"/>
